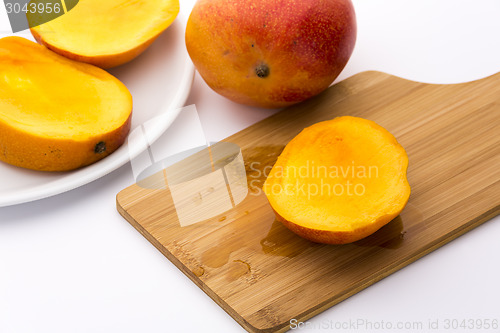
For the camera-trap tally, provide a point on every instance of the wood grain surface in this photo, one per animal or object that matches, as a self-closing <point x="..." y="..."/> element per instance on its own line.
<point x="262" y="274"/>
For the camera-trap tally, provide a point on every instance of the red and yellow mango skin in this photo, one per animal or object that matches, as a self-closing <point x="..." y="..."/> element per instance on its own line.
<point x="270" y="53"/>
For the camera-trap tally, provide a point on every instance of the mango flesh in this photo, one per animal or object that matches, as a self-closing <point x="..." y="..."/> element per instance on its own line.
<point x="57" y="114"/>
<point x="107" y="33"/>
<point x="339" y="181"/>
<point x="270" y="53"/>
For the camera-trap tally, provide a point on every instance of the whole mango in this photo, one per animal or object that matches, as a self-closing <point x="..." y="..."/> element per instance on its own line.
<point x="270" y="53"/>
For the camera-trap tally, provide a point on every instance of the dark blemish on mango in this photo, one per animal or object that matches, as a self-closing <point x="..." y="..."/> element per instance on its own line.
<point x="100" y="147"/>
<point x="262" y="71"/>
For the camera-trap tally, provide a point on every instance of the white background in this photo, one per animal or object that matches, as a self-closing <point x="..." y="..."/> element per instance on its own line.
<point x="70" y="263"/>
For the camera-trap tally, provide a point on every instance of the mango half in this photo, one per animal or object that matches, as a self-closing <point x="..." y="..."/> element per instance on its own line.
<point x="57" y="114"/>
<point x="106" y="33"/>
<point x="339" y="181"/>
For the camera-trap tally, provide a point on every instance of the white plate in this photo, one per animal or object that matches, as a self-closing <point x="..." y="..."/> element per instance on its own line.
<point x="160" y="80"/>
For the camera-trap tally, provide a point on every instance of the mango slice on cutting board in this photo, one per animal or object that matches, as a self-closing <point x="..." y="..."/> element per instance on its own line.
<point x="339" y="181"/>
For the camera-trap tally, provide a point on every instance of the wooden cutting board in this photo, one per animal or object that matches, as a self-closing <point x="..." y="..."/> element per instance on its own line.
<point x="262" y="274"/>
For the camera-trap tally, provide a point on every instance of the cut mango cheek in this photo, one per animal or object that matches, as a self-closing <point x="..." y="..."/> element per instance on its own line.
<point x="57" y="114"/>
<point x="107" y="33"/>
<point x="339" y="181"/>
